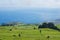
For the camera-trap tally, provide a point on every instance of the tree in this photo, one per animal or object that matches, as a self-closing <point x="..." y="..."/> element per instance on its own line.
<point x="44" y="25"/>
<point x="51" y="25"/>
<point x="40" y="26"/>
<point x="48" y="25"/>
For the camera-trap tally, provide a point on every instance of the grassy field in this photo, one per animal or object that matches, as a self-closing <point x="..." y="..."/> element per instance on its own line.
<point x="28" y="33"/>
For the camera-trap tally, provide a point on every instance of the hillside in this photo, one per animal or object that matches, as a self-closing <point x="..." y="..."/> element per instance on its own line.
<point x="28" y="33"/>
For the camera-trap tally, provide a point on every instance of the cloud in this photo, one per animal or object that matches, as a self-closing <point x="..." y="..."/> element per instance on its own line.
<point x="30" y="3"/>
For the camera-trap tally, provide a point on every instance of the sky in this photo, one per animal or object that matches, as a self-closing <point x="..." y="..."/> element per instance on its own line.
<point x="30" y="3"/>
<point x="29" y="10"/>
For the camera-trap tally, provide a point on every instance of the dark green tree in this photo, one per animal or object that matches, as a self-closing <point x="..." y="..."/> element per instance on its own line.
<point x="44" y="25"/>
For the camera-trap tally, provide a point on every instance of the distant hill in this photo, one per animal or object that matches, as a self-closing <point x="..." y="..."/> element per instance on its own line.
<point x="57" y="21"/>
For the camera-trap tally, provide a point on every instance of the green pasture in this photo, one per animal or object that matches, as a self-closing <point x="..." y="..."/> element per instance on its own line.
<point x="28" y="33"/>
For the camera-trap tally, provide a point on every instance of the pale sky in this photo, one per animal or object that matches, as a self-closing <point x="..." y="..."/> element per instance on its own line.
<point x="30" y="3"/>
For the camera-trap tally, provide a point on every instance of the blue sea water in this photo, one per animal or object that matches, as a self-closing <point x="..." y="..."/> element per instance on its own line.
<point x="29" y="15"/>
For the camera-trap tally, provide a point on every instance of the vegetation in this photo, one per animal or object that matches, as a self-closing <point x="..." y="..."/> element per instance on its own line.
<point x="28" y="32"/>
<point x="49" y="25"/>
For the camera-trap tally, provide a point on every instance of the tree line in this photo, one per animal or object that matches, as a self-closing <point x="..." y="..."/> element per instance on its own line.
<point x="48" y="25"/>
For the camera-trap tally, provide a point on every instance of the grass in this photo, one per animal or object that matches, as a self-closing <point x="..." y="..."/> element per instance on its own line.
<point x="28" y="33"/>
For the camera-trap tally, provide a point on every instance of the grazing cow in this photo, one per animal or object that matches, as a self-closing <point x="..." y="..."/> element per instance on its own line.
<point x="48" y="37"/>
<point x="19" y="35"/>
<point x="40" y="31"/>
<point x="34" y="28"/>
<point x="10" y="29"/>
